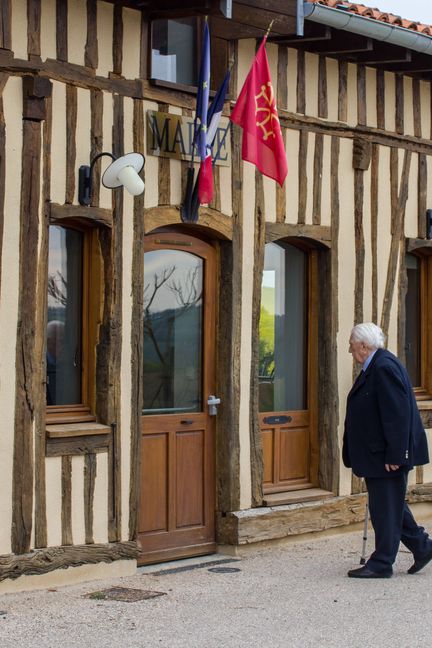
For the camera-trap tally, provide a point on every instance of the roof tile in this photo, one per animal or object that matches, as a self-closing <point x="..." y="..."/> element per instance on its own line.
<point x="376" y="14"/>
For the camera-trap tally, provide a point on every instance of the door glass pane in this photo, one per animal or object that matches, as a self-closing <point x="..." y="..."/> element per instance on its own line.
<point x="173" y="54"/>
<point x="64" y="327"/>
<point x="283" y="330"/>
<point x="413" y="328"/>
<point x="173" y="322"/>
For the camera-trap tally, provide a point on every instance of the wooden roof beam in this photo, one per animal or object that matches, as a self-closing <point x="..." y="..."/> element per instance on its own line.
<point x="376" y="58"/>
<point x="311" y="36"/>
<point x="251" y="28"/>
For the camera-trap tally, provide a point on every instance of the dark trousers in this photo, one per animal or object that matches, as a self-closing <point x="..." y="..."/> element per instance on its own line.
<point x="393" y="522"/>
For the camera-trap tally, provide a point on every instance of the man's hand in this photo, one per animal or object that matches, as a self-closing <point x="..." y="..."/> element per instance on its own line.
<point x="389" y="467"/>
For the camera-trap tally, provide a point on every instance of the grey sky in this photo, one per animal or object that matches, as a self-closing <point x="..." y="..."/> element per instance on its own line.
<point x="420" y="10"/>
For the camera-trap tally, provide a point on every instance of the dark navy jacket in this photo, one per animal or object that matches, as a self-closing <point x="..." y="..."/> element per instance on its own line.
<point x="382" y="424"/>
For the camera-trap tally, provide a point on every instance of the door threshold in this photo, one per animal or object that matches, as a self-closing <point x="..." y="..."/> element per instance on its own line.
<point x="187" y="564"/>
<point x="296" y="497"/>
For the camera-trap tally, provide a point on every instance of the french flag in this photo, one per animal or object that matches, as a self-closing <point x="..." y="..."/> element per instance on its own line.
<point x="205" y="187"/>
<point x="205" y="180"/>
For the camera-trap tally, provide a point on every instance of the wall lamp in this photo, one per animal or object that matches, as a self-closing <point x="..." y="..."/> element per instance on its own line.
<point x="122" y="171"/>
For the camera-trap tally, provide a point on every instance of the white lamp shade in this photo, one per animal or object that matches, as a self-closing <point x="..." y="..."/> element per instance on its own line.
<point x="131" y="180"/>
<point x="124" y="171"/>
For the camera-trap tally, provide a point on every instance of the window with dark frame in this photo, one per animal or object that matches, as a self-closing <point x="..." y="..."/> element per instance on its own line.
<point x="283" y="329"/>
<point x="175" y="53"/>
<point x="70" y="365"/>
<point x="418" y="323"/>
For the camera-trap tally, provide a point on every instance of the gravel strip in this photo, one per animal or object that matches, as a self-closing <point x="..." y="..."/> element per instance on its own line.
<point x="291" y="596"/>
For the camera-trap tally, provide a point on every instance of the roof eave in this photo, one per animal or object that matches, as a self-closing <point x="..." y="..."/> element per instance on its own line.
<point x="378" y="30"/>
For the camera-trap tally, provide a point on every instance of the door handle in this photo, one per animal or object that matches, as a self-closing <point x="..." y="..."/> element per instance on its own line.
<point x="212" y="403"/>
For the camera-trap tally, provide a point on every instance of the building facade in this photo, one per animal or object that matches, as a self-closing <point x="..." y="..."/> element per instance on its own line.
<point x="121" y="325"/>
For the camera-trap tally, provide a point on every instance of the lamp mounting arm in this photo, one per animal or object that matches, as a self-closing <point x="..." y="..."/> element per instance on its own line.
<point x="85" y="175"/>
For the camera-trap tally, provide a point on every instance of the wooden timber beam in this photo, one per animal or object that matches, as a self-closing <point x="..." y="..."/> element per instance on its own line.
<point x="340" y="129"/>
<point x="385" y="56"/>
<point x="42" y="561"/>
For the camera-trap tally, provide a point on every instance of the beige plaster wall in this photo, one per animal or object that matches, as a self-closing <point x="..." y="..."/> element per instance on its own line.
<point x="78" y="524"/>
<point x="58" y="147"/>
<point x="371" y="97"/>
<point x="106" y="195"/>
<point x="105" y="12"/>
<point x="175" y="170"/>
<point x="77" y="30"/>
<point x="408" y="106"/>
<point x="83" y="135"/>
<point x="390" y="101"/>
<point x="53" y="500"/>
<point x="19" y="28"/>
<point x="326" y="183"/>
<point x="12" y="97"/>
<point x="411" y="212"/>
<point x="131" y="43"/>
<point x="151" y="169"/>
<point x="48" y="30"/>
<point x="311" y="75"/>
<point x="426" y="113"/>
<point x="292" y="80"/>
<point x="352" y="113"/>
<point x="332" y="88"/>
<point x="291" y="183"/>
<point x="346" y="282"/>
<point x="100" y="505"/>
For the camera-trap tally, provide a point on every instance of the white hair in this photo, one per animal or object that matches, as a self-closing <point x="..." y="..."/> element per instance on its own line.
<point x="369" y="333"/>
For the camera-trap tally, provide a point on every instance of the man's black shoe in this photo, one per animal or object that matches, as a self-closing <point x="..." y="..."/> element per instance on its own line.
<point x="365" y="572"/>
<point x="419" y="563"/>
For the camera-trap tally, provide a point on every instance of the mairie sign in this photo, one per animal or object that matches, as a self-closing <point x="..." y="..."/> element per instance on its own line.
<point x="170" y="135"/>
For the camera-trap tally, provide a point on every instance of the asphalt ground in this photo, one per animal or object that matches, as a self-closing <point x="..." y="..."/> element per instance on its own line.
<point x="295" y="595"/>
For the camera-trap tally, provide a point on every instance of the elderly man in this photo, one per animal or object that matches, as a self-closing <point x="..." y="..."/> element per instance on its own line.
<point x="384" y="438"/>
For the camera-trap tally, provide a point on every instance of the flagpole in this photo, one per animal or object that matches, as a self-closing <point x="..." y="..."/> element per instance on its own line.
<point x="269" y="28"/>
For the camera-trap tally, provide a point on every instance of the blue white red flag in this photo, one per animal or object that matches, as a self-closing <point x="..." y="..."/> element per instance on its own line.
<point x="215" y="110"/>
<point x="205" y="178"/>
<point x="206" y="182"/>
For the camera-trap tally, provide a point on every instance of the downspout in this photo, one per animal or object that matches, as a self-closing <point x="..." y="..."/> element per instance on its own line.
<point x="300" y="17"/>
<point x="376" y="29"/>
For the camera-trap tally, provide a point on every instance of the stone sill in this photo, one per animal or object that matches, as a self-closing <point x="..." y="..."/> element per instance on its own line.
<point x="276" y="522"/>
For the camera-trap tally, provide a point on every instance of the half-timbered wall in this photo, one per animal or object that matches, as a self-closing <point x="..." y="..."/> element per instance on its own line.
<point x="360" y="162"/>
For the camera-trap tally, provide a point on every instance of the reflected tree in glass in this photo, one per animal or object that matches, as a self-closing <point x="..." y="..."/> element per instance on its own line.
<point x="173" y="285"/>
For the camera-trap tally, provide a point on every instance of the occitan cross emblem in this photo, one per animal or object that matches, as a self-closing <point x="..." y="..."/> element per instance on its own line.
<point x="265" y="111"/>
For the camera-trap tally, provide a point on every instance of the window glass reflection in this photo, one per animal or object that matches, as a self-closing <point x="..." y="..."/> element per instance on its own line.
<point x="283" y="330"/>
<point x="173" y="56"/>
<point x="64" y="321"/>
<point x="173" y="285"/>
<point x="413" y="320"/>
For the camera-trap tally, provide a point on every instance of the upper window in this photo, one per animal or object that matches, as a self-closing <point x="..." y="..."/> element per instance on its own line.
<point x="69" y="335"/>
<point x="176" y="52"/>
<point x="418" y="323"/>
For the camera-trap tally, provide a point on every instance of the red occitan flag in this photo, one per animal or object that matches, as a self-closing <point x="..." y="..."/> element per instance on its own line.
<point x="255" y="111"/>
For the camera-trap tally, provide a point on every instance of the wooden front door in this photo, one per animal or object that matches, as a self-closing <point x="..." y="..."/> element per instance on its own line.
<point x="177" y="503"/>
<point x="287" y="368"/>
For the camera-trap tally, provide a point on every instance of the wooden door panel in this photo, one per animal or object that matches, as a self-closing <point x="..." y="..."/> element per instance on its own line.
<point x="190" y="470"/>
<point x="154" y="486"/>
<point x="285" y="450"/>
<point x="294" y="454"/>
<point x="268" y="455"/>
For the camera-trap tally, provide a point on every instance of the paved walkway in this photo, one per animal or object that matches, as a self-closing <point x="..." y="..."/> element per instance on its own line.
<point x="290" y="596"/>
